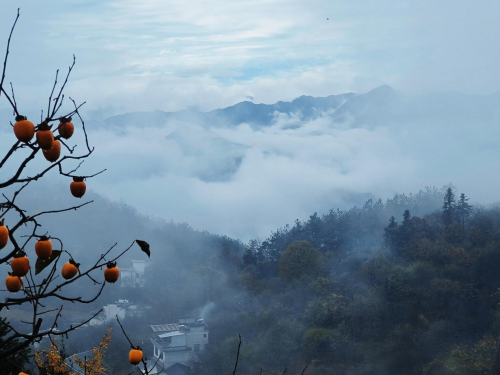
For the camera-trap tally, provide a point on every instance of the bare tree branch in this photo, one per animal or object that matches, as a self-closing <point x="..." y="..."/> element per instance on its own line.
<point x="237" y="356"/>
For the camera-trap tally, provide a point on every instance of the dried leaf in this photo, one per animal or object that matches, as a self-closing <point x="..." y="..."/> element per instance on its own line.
<point x="144" y="247"/>
<point x="41" y="264"/>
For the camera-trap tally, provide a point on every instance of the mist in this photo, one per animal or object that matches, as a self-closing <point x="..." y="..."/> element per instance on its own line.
<point x="246" y="179"/>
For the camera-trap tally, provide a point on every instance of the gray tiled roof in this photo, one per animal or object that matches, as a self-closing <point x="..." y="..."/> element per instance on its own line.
<point x="166" y="327"/>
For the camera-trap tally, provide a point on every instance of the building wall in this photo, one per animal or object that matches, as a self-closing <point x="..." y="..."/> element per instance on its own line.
<point x="194" y="340"/>
<point x="168" y="358"/>
<point x="179" y="340"/>
<point x="133" y="276"/>
<point x="171" y="358"/>
<point x="139" y="266"/>
<point x="197" y="337"/>
<point x="111" y="310"/>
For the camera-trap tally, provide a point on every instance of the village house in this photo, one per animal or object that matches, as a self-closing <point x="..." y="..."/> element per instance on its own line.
<point x="133" y="276"/>
<point x="177" y="346"/>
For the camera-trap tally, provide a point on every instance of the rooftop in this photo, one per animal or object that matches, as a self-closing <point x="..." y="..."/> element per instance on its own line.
<point x="166" y="327"/>
<point x="170" y="334"/>
<point x="184" y="324"/>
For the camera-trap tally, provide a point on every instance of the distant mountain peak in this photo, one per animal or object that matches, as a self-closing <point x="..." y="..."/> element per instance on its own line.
<point x="259" y="114"/>
<point x="382" y="90"/>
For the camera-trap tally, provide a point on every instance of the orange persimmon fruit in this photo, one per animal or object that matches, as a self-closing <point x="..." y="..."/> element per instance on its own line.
<point x="20" y="264"/>
<point x="4" y="234"/>
<point x="69" y="270"/>
<point x="135" y="356"/>
<point x="66" y="128"/>
<point x="111" y="273"/>
<point x="45" y="137"/>
<point x="24" y="130"/>
<point x="53" y="154"/>
<point x="43" y="248"/>
<point x="13" y="283"/>
<point x="78" y="187"/>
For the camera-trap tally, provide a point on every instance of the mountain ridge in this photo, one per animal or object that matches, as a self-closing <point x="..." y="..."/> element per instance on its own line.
<point x="256" y="114"/>
<point x="382" y="105"/>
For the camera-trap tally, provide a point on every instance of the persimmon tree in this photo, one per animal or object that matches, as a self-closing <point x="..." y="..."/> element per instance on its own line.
<point x="35" y="256"/>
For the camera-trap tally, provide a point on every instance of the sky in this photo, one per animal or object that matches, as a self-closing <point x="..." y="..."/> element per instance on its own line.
<point x="172" y="55"/>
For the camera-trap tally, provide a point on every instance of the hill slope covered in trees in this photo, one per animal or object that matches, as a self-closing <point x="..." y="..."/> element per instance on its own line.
<point x="408" y="286"/>
<point x="360" y="292"/>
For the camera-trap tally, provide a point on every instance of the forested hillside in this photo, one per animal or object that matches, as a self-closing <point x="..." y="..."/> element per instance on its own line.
<point x="367" y="291"/>
<point x="405" y="286"/>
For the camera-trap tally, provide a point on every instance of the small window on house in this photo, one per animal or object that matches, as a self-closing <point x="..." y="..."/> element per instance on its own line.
<point x="156" y="352"/>
<point x="196" y="347"/>
<point x="204" y="335"/>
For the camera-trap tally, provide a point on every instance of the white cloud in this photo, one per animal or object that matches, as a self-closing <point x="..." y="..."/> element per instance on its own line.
<point x="285" y="173"/>
<point x="220" y="50"/>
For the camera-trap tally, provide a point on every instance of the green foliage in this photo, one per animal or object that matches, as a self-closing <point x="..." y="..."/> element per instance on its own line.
<point x="349" y="293"/>
<point x="482" y="359"/>
<point x="299" y="259"/>
<point x="326" y="311"/>
<point x="449" y="207"/>
<point x="317" y="343"/>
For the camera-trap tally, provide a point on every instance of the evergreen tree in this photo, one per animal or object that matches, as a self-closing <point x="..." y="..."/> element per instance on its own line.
<point x="406" y="218"/>
<point x="390" y="234"/>
<point x="405" y="231"/>
<point x="449" y="207"/>
<point x="14" y="363"/>
<point x="250" y="254"/>
<point x="463" y="209"/>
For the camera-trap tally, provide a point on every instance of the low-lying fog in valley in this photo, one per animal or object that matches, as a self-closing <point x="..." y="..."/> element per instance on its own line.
<point x="245" y="170"/>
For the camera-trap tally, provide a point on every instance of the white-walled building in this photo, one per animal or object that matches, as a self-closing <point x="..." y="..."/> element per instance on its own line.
<point x="133" y="276"/>
<point x="123" y="308"/>
<point x="180" y="342"/>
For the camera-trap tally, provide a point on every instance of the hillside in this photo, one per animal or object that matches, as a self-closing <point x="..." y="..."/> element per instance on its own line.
<point x="416" y="294"/>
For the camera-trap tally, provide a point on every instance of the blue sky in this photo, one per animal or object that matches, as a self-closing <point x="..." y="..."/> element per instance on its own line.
<point x="157" y="54"/>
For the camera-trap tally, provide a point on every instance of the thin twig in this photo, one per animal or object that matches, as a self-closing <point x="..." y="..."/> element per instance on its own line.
<point x="5" y="63"/>
<point x="123" y="330"/>
<point x="237" y="356"/>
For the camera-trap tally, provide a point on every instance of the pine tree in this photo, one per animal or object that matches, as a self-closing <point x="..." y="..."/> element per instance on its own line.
<point x="449" y="207"/>
<point x="406" y="218"/>
<point x="405" y="231"/>
<point x="390" y="234"/>
<point x="250" y="254"/>
<point x="463" y="209"/>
